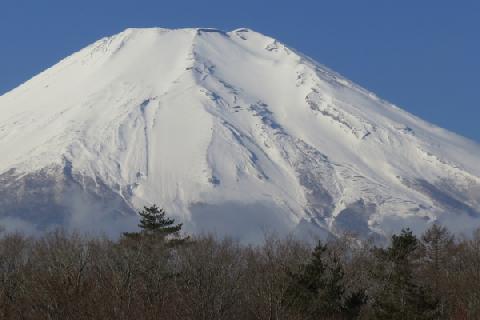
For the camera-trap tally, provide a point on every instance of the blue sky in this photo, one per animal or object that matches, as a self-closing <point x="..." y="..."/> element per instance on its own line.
<point x="423" y="56"/>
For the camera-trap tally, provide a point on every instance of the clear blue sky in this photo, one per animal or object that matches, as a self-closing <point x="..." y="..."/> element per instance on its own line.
<point x="423" y="56"/>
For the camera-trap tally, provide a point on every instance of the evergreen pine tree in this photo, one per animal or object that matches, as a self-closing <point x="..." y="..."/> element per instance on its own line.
<point x="156" y="225"/>
<point x="400" y="297"/>
<point x="318" y="291"/>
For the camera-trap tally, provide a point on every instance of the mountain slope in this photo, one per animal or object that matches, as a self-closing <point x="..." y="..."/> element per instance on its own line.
<point x="233" y="133"/>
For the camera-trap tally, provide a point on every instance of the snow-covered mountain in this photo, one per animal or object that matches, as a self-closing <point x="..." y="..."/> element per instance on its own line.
<point x="231" y="132"/>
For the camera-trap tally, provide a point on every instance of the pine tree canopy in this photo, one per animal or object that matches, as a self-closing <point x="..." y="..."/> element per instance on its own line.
<point x="155" y="223"/>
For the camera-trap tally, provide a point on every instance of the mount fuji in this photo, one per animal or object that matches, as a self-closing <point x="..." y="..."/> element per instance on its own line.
<point x="231" y="132"/>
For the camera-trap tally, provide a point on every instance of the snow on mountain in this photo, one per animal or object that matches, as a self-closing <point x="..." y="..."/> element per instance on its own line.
<point x="231" y="132"/>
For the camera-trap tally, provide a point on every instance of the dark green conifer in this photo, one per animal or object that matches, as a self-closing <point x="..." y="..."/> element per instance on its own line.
<point x="155" y="224"/>
<point x="318" y="291"/>
<point x="400" y="296"/>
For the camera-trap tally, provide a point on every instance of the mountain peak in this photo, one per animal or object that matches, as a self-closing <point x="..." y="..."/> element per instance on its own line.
<point x="231" y="132"/>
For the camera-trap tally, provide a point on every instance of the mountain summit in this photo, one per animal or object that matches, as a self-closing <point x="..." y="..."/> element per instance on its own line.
<point x="230" y="132"/>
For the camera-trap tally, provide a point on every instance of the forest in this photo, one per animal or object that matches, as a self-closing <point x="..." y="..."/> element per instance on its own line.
<point x="160" y="273"/>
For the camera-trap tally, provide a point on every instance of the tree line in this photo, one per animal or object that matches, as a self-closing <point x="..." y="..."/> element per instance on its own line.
<point x="158" y="274"/>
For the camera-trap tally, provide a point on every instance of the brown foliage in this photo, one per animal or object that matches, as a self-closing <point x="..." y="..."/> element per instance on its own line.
<point x="70" y="276"/>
